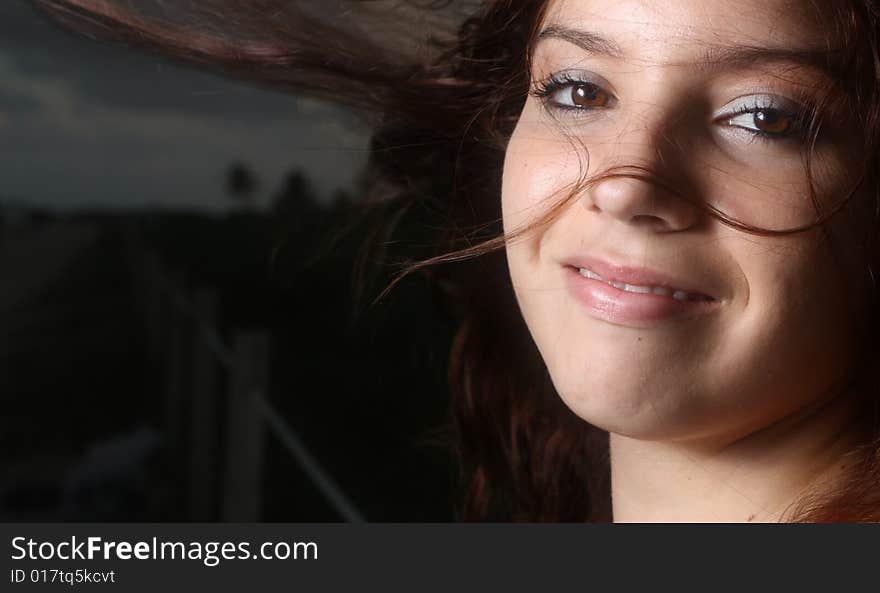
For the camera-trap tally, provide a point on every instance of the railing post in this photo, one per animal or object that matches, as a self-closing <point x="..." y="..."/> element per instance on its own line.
<point x="246" y="429"/>
<point x="174" y="364"/>
<point x="154" y="298"/>
<point x="204" y="413"/>
<point x="135" y="255"/>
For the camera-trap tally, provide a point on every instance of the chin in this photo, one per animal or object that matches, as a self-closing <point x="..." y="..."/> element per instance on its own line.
<point x="628" y="410"/>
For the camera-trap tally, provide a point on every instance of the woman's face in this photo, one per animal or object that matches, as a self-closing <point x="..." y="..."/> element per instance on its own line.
<point x="707" y="331"/>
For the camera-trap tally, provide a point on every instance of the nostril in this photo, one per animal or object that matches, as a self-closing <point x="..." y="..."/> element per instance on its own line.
<point x="641" y="201"/>
<point x="650" y="220"/>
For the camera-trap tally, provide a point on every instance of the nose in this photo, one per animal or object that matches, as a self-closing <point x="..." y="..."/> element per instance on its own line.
<point x="643" y="181"/>
<point x="640" y="201"/>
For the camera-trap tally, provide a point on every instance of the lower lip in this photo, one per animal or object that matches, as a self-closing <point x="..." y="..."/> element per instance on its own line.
<point x="630" y="308"/>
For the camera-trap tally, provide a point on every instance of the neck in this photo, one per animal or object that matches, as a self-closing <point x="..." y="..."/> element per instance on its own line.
<point x="754" y="478"/>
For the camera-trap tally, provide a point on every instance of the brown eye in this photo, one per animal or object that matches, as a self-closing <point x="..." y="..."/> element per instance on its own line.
<point x="773" y="122"/>
<point x="586" y="96"/>
<point x="565" y="92"/>
<point x="768" y="117"/>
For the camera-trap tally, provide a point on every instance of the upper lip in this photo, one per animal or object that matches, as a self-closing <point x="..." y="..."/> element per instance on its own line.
<point x="638" y="275"/>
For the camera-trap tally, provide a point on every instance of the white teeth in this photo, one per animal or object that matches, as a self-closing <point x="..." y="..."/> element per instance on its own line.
<point x="638" y="289"/>
<point x="590" y="274"/>
<point x="678" y="295"/>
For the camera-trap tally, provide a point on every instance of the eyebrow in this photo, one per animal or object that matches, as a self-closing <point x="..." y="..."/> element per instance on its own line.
<point x="586" y="40"/>
<point x="828" y="61"/>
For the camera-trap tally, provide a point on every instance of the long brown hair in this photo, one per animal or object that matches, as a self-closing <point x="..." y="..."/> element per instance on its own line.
<point x="444" y="119"/>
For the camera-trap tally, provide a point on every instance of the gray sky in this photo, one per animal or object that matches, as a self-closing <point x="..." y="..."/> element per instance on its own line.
<point x="84" y="124"/>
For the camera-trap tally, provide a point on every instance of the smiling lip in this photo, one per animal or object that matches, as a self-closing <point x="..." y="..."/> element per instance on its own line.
<point x="669" y="298"/>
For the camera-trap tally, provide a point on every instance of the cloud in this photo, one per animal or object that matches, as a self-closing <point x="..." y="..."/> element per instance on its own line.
<point x="87" y="125"/>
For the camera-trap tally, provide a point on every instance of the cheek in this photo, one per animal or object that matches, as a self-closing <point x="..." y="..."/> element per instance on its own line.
<point x="816" y="279"/>
<point x="775" y="192"/>
<point x="539" y="171"/>
<point x="794" y="333"/>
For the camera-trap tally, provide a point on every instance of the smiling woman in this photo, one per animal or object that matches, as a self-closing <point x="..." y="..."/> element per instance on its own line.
<point x="688" y="195"/>
<point x="696" y="346"/>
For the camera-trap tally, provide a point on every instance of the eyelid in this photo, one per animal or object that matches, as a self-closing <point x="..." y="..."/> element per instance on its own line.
<point x="574" y="76"/>
<point x="758" y="101"/>
<point x="546" y="90"/>
<point x="746" y="105"/>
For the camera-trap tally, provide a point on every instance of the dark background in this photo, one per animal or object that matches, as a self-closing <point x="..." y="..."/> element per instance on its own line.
<point x="176" y="249"/>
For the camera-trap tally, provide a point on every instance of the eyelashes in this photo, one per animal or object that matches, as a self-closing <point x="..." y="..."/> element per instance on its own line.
<point x="566" y="92"/>
<point x="767" y="116"/>
<point x="762" y="116"/>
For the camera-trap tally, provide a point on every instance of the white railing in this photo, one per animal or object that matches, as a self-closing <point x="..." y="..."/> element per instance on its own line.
<point x="182" y="337"/>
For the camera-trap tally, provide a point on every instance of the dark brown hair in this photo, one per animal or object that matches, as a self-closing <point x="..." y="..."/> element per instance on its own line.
<point x="444" y="119"/>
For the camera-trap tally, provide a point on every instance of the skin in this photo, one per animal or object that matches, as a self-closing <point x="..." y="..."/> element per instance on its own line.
<point x="733" y="413"/>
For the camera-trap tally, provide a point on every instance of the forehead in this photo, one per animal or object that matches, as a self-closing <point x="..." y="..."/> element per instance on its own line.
<point x="674" y="28"/>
